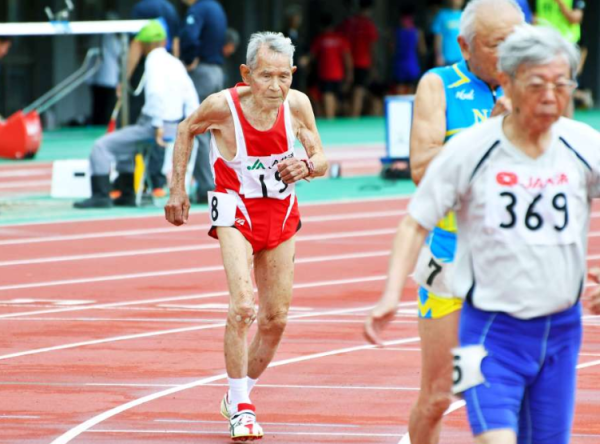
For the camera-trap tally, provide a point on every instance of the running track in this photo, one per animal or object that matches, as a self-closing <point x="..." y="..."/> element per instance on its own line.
<point x="112" y="333"/>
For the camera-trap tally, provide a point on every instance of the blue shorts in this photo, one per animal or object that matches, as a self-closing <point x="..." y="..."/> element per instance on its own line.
<point x="530" y="373"/>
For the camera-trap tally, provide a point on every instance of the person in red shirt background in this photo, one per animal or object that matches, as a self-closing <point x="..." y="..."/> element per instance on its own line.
<point x="331" y="52"/>
<point x="362" y="34"/>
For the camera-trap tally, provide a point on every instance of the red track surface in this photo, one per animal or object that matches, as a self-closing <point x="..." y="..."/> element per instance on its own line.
<point x="83" y="334"/>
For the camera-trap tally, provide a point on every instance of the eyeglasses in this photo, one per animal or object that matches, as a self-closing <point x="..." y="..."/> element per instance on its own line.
<point x="536" y="86"/>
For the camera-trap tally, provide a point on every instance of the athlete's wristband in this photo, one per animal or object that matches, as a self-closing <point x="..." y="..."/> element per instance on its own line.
<point x="310" y="166"/>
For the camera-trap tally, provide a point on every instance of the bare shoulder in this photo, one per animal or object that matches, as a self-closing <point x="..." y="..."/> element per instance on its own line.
<point x="431" y="85"/>
<point x="216" y="107"/>
<point x="300" y="106"/>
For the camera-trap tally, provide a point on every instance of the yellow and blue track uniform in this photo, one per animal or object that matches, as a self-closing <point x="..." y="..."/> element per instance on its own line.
<point x="469" y="101"/>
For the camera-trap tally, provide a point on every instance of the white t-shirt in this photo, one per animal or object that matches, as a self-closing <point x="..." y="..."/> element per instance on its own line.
<point x="170" y="94"/>
<point x="522" y="222"/>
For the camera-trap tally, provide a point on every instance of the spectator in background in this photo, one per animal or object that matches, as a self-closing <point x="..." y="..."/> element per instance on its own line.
<point x="524" y="4"/>
<point x="331" y="52"/>
<point x="563" y="15"/>
<point x="169" y="98"/>
<point x="566" y="17"/>
<point x="445" y="29"/>
<point x="150" y="9"/>
<point x="232" y="42"/>
<point x="202" y="42"/>
<point x="408" y="45"/>
<point x="104" y="82"/>
<point x="5" y="44"/>
<point x="362" y="34"/>
<point x="165" y="12"/>
<point x="293" y="22"/>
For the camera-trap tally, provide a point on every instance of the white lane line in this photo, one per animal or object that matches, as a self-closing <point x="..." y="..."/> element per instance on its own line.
<point x="161" y="333"/>
<point x="203" y="227"/>
<point x="185" y="298"/>
<point x="19" y="417"/>
<point x="25" y="184"/>
<point x="200" y="211"/>
<point x="220" y="432"/>
<point x="105" y="234"/>
<point x="120" y="277"/>
<point x="293" y="424"/>
<point x="262" y="386"/>
<point x="111" y="254"/>
<point x="26" y="173"/>
<point x="85" y="426"/>
<point x="588" y="364"/>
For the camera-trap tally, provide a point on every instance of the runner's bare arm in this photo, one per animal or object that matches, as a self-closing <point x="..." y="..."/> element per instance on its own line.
<point x="212" y="112"/>
<point x="305" y="127"/>
<point x="594" y="275"/>
<point x="408" y="241"/>
<point x="428" y="131"/>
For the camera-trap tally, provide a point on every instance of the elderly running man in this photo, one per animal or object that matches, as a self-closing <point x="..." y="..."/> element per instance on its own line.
<point x="521" y="185"/>
<point x="254" y="210"/>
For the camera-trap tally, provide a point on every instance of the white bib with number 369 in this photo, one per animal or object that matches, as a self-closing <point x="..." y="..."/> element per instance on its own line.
<point x="530" y="205"/>
<point x="221" y="208"/>
<point x="261" y="178"/>
<point x="467" y="367"/>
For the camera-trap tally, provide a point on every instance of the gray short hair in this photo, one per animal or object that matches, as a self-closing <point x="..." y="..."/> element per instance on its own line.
<point x="468" y="19"/>
<point x="274" y="41"/>
<point x="535" y="45"/>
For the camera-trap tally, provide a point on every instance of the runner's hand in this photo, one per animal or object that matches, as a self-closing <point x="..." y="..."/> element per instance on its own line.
<point x="177" y="209"/>
<point x="378" y="319"/>
<point x="292" y="170"/>
<point x="594" y="275"/>
<point x="503" y="106"/>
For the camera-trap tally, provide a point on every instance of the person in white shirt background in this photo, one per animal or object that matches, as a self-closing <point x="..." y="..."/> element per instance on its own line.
<point x="169" y="95"/>
<point x="521" y="185"/>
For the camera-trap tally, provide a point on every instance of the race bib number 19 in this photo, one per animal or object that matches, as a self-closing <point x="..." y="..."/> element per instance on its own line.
<point x="221" y="209"/>
<point x="261" y="177"/>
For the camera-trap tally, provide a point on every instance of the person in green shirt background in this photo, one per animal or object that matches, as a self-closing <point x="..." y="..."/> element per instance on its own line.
<point x="566" y="17"/>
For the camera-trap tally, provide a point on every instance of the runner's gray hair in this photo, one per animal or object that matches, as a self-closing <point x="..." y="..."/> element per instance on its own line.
<point x="535" y="45"/>
<point x="468" y="19"/>
<point x="274" y="41"/>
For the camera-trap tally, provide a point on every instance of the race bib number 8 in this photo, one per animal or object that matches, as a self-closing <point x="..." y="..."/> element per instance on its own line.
<point x="531" y="206"/>
<point x="262" y="179"/>
<point x="221" y="209"/>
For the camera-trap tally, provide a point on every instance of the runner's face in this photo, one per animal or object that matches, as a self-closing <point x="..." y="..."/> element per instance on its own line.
<point x="271" y="78"/>
<point x="540" y="94"/>
<point x="482" y="54"/>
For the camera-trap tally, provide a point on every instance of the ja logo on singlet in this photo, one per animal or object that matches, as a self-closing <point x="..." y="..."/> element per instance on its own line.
<point x="257" y="166"/>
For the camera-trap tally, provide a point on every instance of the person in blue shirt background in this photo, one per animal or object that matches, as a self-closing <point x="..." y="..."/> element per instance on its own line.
<point x="524" y="4"/>
<point x="445" y="28"/>
<point x="202" y="42"/>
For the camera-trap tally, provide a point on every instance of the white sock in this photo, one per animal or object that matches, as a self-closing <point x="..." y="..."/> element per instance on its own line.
<point x="251" y="384"/>
<point x="238" y="392"/>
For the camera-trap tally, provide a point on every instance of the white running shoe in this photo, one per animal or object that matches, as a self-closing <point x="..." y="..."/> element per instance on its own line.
<point x="243" y="425"/>
<point x="226" y="406"/>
